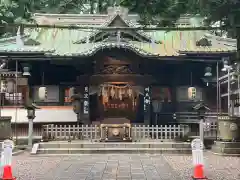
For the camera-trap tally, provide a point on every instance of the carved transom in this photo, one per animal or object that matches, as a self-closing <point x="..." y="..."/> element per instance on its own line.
<point x="116" y="69"/>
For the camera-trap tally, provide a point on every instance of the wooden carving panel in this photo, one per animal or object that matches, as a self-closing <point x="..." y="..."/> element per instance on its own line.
<point x="116" y="69"/>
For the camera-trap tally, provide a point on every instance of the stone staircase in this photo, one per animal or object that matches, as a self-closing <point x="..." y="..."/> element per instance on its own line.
<point x="226" y="148"/>
<point x="80" y="147"/>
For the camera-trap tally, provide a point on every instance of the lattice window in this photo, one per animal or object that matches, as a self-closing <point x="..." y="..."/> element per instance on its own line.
<point x="13" y="99"/>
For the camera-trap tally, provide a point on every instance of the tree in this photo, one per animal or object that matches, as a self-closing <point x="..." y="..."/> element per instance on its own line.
<point x="166" y="12"/>
<point x="10" y="12"/>
<point x="226" y="11"/>
<point x="20" y="11"/>
<point x="161" y="12"/>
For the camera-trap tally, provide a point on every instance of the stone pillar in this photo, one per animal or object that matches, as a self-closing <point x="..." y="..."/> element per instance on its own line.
<point x="30" y="133"/>
<point x="229" y="136"/>
<point x="147" y="105"/>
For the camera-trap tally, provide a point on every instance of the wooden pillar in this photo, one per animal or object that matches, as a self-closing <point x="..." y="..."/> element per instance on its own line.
<point x="25" y="89"/>
<point x="174" y="86"/>
<point x="61" y="95"/>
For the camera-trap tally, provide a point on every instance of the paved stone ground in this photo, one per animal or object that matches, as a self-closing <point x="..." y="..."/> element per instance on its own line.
<point x="121" y="166"/>
<point x="216" y="167"/>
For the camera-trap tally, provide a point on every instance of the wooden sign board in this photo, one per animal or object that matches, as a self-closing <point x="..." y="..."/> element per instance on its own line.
<point x="35" y="148"/>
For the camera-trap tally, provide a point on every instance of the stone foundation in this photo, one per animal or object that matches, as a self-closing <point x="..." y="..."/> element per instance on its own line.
<point x="226" y="148"/>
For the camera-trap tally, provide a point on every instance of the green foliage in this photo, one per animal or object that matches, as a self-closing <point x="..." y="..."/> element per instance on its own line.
<point x="161" y="12"/>
<point x="165" y="12"/>
<point x="157" y="12"/>
<point x="7" y="8"/>
<point x="57" y="6"/>
<point x="226" y="11"/>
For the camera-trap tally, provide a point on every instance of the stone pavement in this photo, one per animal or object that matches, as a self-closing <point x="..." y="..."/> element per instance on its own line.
<point x="121" y="166"/>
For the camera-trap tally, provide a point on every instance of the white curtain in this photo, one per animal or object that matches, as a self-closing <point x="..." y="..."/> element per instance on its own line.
<point x="97" y="89"/>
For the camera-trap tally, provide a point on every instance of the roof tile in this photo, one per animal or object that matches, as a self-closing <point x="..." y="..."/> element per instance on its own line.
<point x="61" y="42"/>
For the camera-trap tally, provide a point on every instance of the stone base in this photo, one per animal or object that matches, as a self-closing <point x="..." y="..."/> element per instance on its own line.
<point x="79" y="147"/>
<point x="226" y="148"/>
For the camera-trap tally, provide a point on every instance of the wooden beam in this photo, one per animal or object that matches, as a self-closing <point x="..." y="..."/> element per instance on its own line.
<point x="172" y="58"/>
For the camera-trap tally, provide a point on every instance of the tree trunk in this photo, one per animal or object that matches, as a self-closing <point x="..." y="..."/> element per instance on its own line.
<point x="91" y="6"/>
<point x="238" y="43"/>
<point x="100" y="6"/>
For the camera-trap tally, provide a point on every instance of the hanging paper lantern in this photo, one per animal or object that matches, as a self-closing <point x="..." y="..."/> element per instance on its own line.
<point x="42" y="93"/>
<point x="192" y="93"/>
<point x="10" y="86"/>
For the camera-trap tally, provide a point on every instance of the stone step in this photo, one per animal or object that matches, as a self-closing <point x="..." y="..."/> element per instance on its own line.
<point x="113" y="150"/>
<point x="222" y="144"/>
<point x="221" y="150"/>
<point x="50" y="145"/>
<point x="82" y="147"/>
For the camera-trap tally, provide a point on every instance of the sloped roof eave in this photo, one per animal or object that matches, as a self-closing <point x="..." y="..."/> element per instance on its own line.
<point x="12" y="39"/>
<point x="207" y="52"/>
<point x="107" y="23"/>
<point x="140" y="51"/>
<point x="27" y="50"/>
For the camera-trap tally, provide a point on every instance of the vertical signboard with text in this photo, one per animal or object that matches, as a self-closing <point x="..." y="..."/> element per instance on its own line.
<point x="147" y="105"/>
<point x="86" y="100"/>
<point x="147" y="98"/>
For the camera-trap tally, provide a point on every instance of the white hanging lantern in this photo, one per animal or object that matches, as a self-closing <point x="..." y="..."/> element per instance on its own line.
<point x="42" y="93"/>
<point x="10" y="86"/>
<point x="3" y="86"/>
<point x="192" y="91"/>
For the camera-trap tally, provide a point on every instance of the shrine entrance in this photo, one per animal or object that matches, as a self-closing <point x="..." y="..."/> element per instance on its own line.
<point x="116" y="88"/>
<point x="119" y="101"/>
<point x="116" y="102"/>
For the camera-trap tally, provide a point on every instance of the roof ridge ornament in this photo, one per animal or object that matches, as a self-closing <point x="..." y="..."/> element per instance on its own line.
<point x="117" y="10"/>
<point x="204" y="42"/>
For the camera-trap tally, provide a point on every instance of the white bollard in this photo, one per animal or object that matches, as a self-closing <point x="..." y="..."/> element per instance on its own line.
<point x="6" y="154"/>
<point x="197" y="152"/>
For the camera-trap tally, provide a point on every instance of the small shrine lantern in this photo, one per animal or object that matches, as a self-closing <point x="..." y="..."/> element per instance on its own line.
<point x="42" y="93"/>
<point x="192" y="92"/>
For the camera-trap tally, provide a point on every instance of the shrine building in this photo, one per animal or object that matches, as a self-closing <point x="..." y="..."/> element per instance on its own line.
<point x="118" y="76"/>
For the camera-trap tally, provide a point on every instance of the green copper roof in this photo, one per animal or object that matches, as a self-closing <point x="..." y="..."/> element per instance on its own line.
<point x="68" y="42"/>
